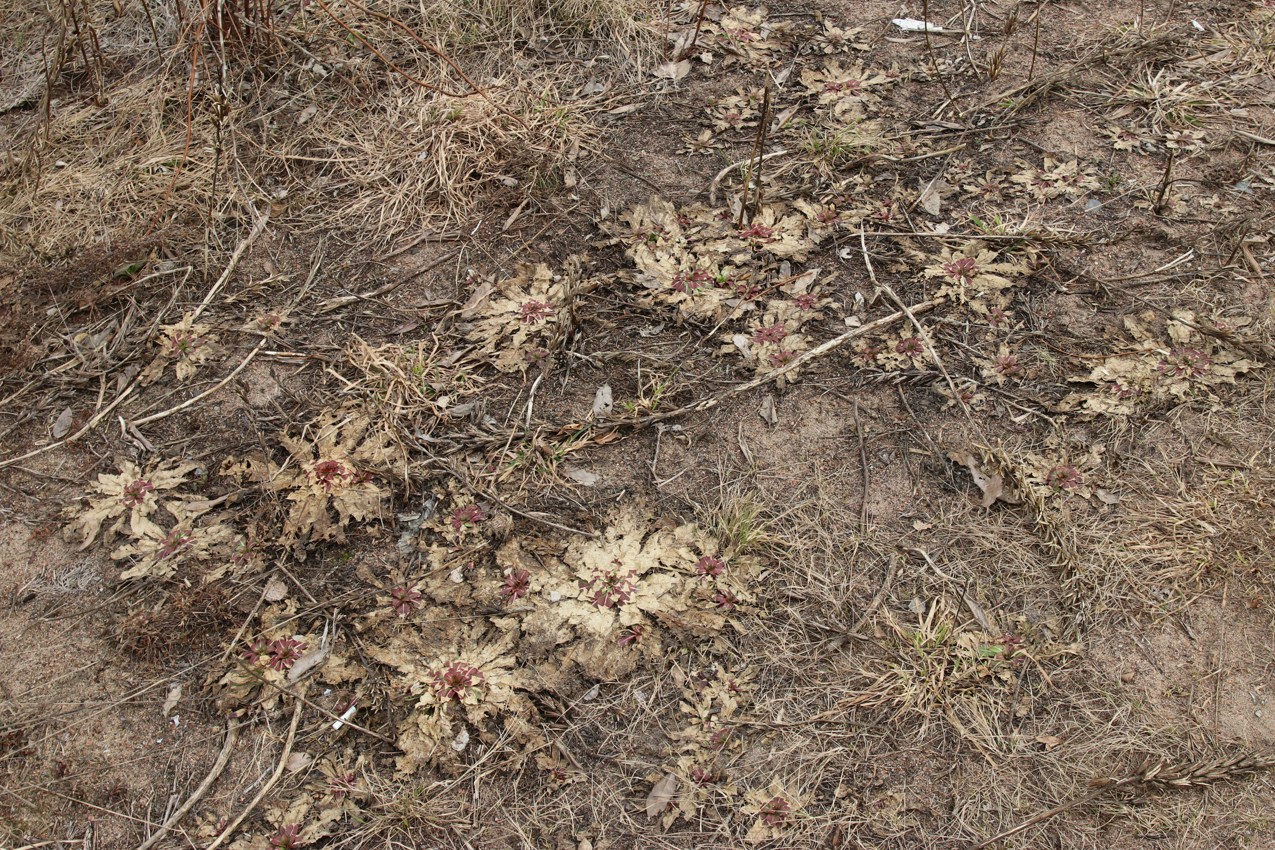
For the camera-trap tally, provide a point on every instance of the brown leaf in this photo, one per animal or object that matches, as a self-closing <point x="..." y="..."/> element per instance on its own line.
<point x="663" y="794"/>
<point x="673" y="70"/>
<point x="63" y="424"/>
<point x="992" y="485"/>
<point x="768" y="413"/>
<point x="298" y="761"/>
<point x="276" y="589"/>
<point x="174" y="696"/>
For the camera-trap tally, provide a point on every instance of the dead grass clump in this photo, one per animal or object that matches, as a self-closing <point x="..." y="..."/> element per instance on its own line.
<point x="98" y="174"/>
<point x="397" y="116"/>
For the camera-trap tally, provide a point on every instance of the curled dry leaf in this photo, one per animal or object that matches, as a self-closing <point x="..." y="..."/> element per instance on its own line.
<point x="991" y="484"/>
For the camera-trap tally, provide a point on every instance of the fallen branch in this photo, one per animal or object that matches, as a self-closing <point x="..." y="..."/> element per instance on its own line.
<point x="1149" y="776"/>
<point x="232" y="735"/>
<point x="891" y="569"/>
<point x="922" y="333"/>
<point x="234" y="261"/>
<point x="270" y="783"/>
<point x="342" y="300"/>
<point x="163" y="414"/>
<point x="818" y="351"/>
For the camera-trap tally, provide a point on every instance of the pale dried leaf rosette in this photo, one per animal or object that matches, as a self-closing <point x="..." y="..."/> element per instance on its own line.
<point x="459" y="681"/>
<point x="161" y="535"/>
<point x="614" y="601"/>
<point x="831" y="38"/>
<point x="1054" y="179"/>
<point x="843" y="88"/>
<point x="696" y="258"/>
<point x="329" y="478"/>
<point x="975" y="275"/>
<point x="130" y="498"/>
<point x="187" y="345"/>
<point x="747" y="37"/>
<point x="160" y="556"/>
<point x="518" y="322"/>
<point x="774" y="339"/>
<point x="774" y="809"/>
<point x="1188" y="365"/>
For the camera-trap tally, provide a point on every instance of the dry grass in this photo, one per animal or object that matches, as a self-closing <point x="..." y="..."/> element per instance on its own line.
<point x="406" y="126"/>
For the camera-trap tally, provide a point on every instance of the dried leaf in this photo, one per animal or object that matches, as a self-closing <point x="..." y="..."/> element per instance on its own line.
<point x="174" y="696"/>
<point x="312" y="659"/>
<point x="603" y="401"/>
<point x="62" y="424"/>
<point x="768" y="412"/>
<point x="991" y="484"/>
<point x="583" y="477"/>
<point x="672" y="70"/>
<point x="276" y="590"/>
<point x="663" y="795"/>
<point x="298" y="761"/>
<point x="932" y="195"/>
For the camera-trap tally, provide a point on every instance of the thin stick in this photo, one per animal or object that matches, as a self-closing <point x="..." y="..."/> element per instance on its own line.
<point x="1043" y="816"/>
<point x="265" y="789"/>
<point x="929" y="49"/>
<point x="761" y="380"/>
<point x="340" y="301"/>
<point x="164" y="414"/>
<point x="921" y="331"/>
<point x="754" y="163"/>
<point x="712" y="186"/>
<point x="892" y="567"/>
<point x="232" y="735"/>
<point x="1165" y="182"/>
<point x="1031" y="70"/>
<point x="234" y="261"/>
<point x="483" y="494"/>
<point x="699" y="22"/>
<point x="863" y="459"/>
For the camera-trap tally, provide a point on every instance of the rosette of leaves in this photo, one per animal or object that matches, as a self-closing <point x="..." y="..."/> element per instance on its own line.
<point x="161" y="534"/>
<point x="458" y="680"/>
<point x="843" y="88"/>
<point x="329" y="478"/>
<point x="263" y="669"/>
<point x="1188" y="365"/>
<point x="773" y="230"/>
<point x="614" y="601"/>
<point x="521" y="320"/>
<point x="831" y="38"/>
<point x="335" y="794"/>
<point x="667" y="264"/>
<point x="747" y="36"/>
<point x="694" y="257"/>
<point x="739" y="111"/>
<point x="128" y="500"/>
<point x="774" y="339"/>
<point x="774" y="810"/>
<point x="1054" y="179"/>
<point x="976" y="275"/>
<point x="186" y="345"/>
